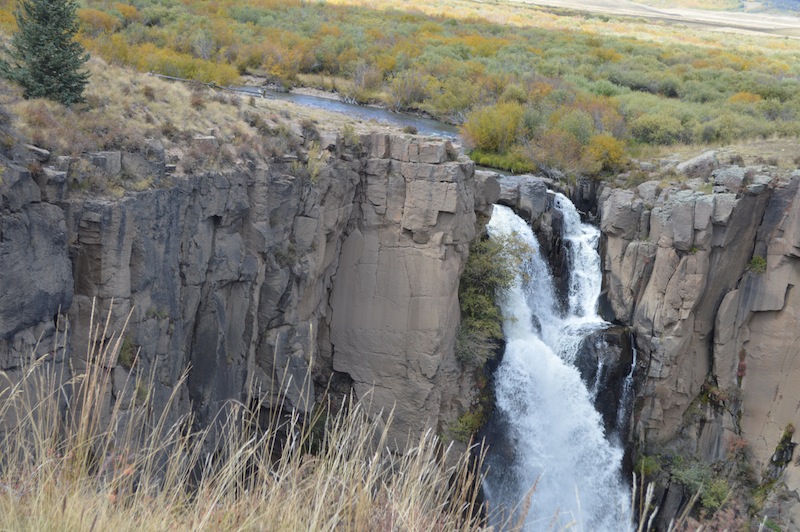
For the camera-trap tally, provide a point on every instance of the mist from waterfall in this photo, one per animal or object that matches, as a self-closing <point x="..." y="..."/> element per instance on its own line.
<point x="555" y="437"/>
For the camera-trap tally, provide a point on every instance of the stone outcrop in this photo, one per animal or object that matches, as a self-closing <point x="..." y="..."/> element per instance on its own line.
<point x="526" y="194"/>
<point x="36" y="271"/>
<point x="708" y="283"/>
<point x="256" y="274"/>
<point x="394" y="305"/>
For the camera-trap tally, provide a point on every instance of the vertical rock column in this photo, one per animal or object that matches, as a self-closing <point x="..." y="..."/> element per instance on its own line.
<point x="394" y="305"/>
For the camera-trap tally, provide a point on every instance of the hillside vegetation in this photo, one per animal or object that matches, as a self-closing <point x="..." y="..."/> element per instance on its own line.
<point x="532" y="88"/>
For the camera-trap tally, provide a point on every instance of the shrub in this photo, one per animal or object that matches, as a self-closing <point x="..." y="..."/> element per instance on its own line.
<point x="658" y="128"/>
<point x="492" y="266"/>
<point x="408" y="88"/>
<point x="127" y="353"/>
<point x="693" y="475"/>
<point x="494" y="128"/>
<point x="366" y="78"/>
<point x="94" y="22"/>
<point x="555" y="148"/>
<point x="758" y="265"/>
<point x="715" y="494"/>
<point x="745" y="98"/>
<point x="604" y="154"/>
<point x="468" y="424"/>
<point x="648" y="466"/>
<point x="576" y="122"/>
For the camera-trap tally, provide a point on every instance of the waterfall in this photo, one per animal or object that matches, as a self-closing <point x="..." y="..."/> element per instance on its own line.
<point x="554" y="436"/>
<point x="626" y="401"/>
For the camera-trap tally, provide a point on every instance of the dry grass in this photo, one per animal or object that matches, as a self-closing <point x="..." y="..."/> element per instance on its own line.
<point x="124" y="108"/>
<point x="63" y="468"/>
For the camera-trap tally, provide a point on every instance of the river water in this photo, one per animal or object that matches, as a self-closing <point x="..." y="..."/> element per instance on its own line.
<point x="554" y="436"/>
<point x="424" y="126"/>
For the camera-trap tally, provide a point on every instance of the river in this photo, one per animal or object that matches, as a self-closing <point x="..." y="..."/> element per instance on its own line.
<point x="424" y="126"/>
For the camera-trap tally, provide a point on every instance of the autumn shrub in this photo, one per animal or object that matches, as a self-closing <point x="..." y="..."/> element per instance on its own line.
<point x="366" y="79"/>
<point x="452" y="99"/>
<point x="94" y="21"/>
<point x="604" y="154"/>
<point x="408" y="89"/>
<point x="127" y="12"/>
<point x="745" y="98"/>
<point x="556" y="149"/>
<point x="494" y="128"/>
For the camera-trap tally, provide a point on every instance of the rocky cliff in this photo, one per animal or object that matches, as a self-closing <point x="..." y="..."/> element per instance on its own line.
<point x="704" y="271"/>
<point x="339" y="266"/>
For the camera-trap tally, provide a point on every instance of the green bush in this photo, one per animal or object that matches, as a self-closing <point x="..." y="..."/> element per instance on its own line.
<point x="758" y="265"/>
<point x="494" y="128"/>
<point x="715" y="494"/>
<point x="647" y="466"/>
<point x="468" y="424"/>
<point x="492" y="266"/>
<point x="127" y="353"/>
<point x="659" y="128"/>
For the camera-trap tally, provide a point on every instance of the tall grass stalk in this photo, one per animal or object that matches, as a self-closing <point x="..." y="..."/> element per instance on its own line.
<point x="75" y="458"/>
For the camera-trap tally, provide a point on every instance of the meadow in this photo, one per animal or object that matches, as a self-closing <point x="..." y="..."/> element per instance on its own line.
<point x="532" y="88"/>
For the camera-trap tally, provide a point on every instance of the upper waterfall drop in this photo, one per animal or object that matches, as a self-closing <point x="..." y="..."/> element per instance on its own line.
<point x="585" y="280"/>
<point x="555" y="435"/>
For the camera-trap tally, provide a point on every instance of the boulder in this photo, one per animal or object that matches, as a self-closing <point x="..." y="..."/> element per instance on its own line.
<point x="730" y="177"/>
<point x="700" y="166"/>
<point x="526" y="194"/>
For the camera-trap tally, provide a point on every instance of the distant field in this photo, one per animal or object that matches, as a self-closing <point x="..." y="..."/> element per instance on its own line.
<point x="710" y="14"/>
<point x="711" y="5"/>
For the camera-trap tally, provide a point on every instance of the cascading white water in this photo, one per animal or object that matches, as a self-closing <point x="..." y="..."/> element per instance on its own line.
<point x="626" y="401"/>
<point x="556" y="433"/>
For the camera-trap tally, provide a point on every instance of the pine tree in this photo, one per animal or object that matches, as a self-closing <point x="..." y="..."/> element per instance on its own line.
<point x="43" y="55"/>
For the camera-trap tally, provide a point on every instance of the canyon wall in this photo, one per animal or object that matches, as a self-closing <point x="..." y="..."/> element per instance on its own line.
<point x="341" y="271"/>
<point x="705" y="273"/>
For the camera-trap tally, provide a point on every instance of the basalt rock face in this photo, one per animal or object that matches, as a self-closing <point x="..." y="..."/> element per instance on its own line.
<point x="604" y="361"/>
<point x="708" y="282"/>
<point x="248" y="274"/>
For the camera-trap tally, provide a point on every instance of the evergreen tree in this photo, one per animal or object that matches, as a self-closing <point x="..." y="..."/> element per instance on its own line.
<point x="43" y="55"/>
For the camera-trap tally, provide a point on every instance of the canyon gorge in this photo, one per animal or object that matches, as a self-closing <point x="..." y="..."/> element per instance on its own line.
<point x="339" y="270"/>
